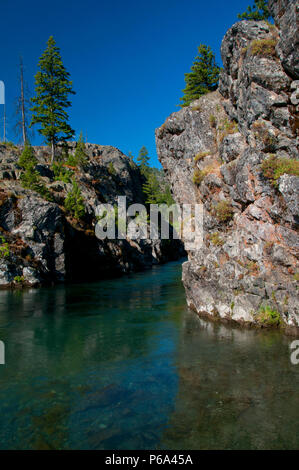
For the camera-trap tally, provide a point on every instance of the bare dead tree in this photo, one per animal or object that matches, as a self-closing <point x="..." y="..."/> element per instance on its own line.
<point x="22" y="107"/>
<point x="4" y="124"/>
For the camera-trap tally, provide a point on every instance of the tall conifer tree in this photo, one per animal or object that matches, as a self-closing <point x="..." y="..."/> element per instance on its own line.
<point x="52" y="87"/>
<point x="259" y="11"/>
<point x="203" y="77"/>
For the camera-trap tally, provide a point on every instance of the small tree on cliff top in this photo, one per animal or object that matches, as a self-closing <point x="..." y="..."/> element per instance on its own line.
<point x="259" y="11"/>
<point x="203" y="77"/>
<point x="52" y="87"/>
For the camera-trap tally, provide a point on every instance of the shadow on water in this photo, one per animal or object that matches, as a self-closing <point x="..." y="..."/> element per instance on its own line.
<point x="122" y="364"/>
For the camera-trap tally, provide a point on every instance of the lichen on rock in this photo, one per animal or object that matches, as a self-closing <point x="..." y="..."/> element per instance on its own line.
<point x="250" y="265"/>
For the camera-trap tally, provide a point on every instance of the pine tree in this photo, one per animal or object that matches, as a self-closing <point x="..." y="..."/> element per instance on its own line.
<point x="79" y="159"/>
<point x="30" y="177"/>
<point x="151" y="189"/>
<point x="52" y="87"/>
<point x="74" y="202"/>
<point x="27" y="158"/>
<point x="155" y="189"/>
<point x="80" y="153"/>
<point x="259" y="11"/>
<point x="143" y="160"/>
<point x="203" y="77"/>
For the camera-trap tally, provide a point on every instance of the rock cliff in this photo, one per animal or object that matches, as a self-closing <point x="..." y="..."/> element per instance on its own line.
<point x="236" y="152"/>
<point x="42" y="243"/>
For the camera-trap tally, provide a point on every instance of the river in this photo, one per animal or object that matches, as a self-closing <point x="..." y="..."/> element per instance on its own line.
<point x="123" y="364"/>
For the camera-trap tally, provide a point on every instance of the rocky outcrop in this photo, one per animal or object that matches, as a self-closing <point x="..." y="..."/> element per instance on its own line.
<point x="286" y="14"/>
<point x="236" y="152"/>
<point x="40" y="242"/>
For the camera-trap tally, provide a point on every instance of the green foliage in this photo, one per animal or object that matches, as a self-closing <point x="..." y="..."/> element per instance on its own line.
<point x="269" y="317"/>
<point x="213" y="120"/>
<point x="80" y="156"/>
<point x="196" y="107"/>
<point x="274" y="167"/>
<point x="10" y="145"/>
<point x="201" y="156"/>
<point x="143" y="161"/>
<point x="223" y="211"/>
<point x="79" y="159"/>
<point x="296" y="276"/>
<point x="30" y="178"/>
<point x="263" y="47"/>
<point x="227" y="127"/>
<point x="198" y="176"/>
<point x="132" y="163"/>
<point x="19" y="279"/>
<point x="27" y="159"/>
<point x="203" y="77"/>
<point x="155" y="191"/>
<point x="216" y="239"/>
<point x="111" y="169"/>
<point x="259" y="11"/>
<point x="52" y="87"/>
<point x="4" y="248"/>
<point x="61" y="173"/>
<point x="252" y="267"/>
<point x="74" y="202"/>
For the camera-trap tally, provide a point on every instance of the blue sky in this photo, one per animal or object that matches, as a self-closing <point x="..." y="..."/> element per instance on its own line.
<point x="127" y="58"/>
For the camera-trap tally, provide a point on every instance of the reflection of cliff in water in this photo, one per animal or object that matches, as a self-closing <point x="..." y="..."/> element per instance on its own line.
<point x="68" y="326"/>
<point x="237" y="390"/>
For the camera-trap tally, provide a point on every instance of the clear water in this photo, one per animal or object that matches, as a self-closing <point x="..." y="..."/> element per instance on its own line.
<point x="122" y="364"/>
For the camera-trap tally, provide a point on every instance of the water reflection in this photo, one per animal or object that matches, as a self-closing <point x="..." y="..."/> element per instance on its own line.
<point x="237" y="390"/>
<point x="122" y="364"/>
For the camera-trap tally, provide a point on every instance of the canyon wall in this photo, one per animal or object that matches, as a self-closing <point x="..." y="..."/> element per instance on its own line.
<point x="236" y="152"/>
<point x="41" y="242"/>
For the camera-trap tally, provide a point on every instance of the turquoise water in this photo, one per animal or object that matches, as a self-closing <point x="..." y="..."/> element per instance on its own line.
<point x="122" y="364"/>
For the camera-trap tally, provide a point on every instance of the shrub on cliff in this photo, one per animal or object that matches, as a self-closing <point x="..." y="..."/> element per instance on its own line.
<point x="27" y="158"/>
<point x="269" y="317"/>
<point x="111" y="169"/>
<point x="198" y="176"/>
<point x="263" y="47"/>
<point x="79" y="158"/>
<point x="274" y="167"/>
<point x="259" y="11"/>
<point x="4" y="248"/>
<point x="74" y="202"/>
<point x="61" y="173"/>
<point x="30" y="178"/>
<point x="203" y="77"/>
<point x="223" y="211"/>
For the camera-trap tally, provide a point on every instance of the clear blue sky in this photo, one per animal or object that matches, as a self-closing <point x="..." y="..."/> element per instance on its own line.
<point x="127" y="58"/>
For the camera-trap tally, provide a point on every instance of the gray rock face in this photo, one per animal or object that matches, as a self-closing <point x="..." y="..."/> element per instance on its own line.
<point x="286" y="14"/>
<point x="179" y="142"/>
<point x="47" y="245"/>
<point x="248" y="263"/>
